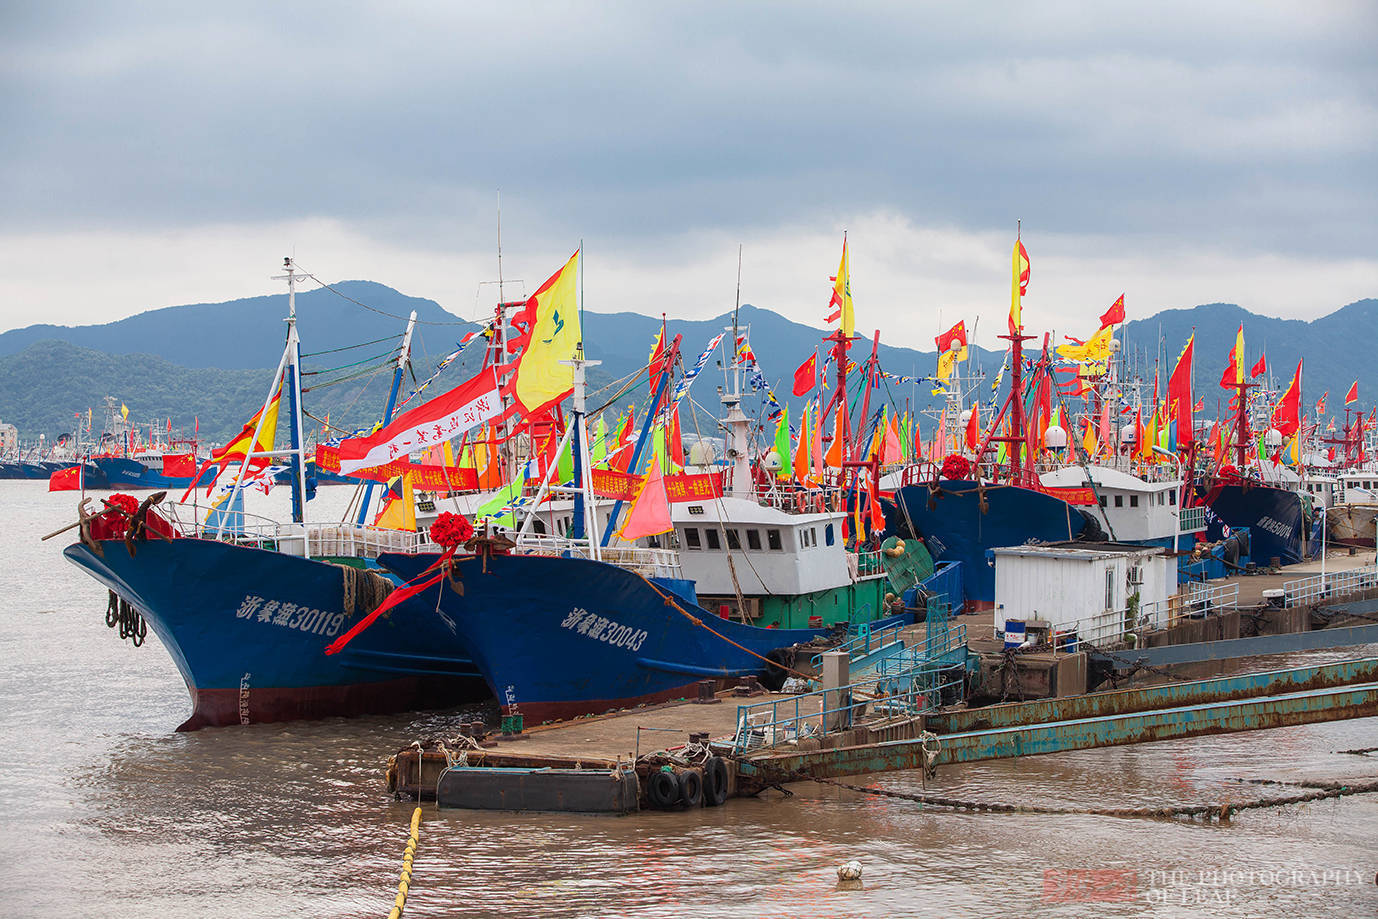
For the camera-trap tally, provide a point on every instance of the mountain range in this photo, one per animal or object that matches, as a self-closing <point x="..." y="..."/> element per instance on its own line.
<point x="207" y="364"/>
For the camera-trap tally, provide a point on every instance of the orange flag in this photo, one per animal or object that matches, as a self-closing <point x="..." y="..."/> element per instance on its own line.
<point x="834" y="458"/>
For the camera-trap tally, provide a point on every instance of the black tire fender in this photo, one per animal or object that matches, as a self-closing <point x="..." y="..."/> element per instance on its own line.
<point x="662" y="790"/>
<point x="714" y="781"/>
<point x="691" y="788"/>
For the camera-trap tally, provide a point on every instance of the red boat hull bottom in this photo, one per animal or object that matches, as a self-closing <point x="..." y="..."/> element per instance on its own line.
<point x="253" y="705"/>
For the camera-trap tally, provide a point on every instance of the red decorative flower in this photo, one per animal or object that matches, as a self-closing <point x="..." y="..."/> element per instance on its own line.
<point x="956" y="467"/>
<point x="451" y="530"/>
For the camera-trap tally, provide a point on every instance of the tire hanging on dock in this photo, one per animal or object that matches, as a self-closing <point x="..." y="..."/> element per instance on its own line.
<point x="714" y="781"/>
<point x="662" y="790"/>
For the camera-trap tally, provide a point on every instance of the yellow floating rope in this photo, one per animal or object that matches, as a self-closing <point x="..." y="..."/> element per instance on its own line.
<point x="404" y="881"/>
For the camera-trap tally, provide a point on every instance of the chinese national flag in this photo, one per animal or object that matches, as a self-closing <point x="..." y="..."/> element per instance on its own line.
<point x="1260" y="367"/>
<point x="68" y="479"/>
<point x="1114" y="314"/>
<point x="806" y="377"/>
<point x="955" y="335"/>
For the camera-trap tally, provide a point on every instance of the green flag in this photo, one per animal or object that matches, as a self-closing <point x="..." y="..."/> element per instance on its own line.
<point x="782" y="444"/>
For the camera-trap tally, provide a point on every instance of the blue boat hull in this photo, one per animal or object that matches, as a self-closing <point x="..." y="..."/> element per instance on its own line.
<point x="956" y="529"/>
<point x="1274" y="516"/>
<point x="565" y="637"/>
<point x="130" y="475"/>
<point x="248" y="627"/>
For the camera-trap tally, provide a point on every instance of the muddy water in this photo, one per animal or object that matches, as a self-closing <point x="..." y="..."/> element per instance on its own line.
<point x="104" y="811"/>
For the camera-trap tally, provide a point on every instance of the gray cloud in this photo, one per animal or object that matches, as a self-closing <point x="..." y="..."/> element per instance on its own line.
<point x="1247" y="127"/>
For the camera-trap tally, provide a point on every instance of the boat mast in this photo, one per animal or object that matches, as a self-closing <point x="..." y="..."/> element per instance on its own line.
<point x="402" y="357"/>
<point x="293" y="379"/>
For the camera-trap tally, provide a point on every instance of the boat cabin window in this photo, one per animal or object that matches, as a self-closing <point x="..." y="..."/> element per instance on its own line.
<point x="808" y="537"/>
<point x="1119" y="500"/>
<point x="1133" y="500"/>
<point x="539" y="526"/>
<point x="1172" y="497"/>
<point x="773" y="539"/>
<point x="691" y="538"/>
<point x="712" y="536"/>
<point x="753" y="539"/>
<point x="1162" y="497"/>
<point x="828" y="534"/>
<point x="734" y="539"/>
<point x="1109" y="588"/>
<point x="1102" y="500"/>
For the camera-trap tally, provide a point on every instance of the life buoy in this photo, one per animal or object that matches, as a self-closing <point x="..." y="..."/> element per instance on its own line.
<point x="714" y="781"/>
<point x="690" y="788"/>
<point x="663" y="790"/>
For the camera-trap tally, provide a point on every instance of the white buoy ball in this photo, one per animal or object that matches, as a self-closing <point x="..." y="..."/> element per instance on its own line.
<point x="851" y="871"/>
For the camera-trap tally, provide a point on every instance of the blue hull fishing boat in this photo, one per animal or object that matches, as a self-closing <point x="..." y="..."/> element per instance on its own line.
<point x="246" y="608"/>
<point x="960" y="521"/>
<point x="1275" y="518"/>
<point x="121" y="473"/>
<point x="247" y="628"/>
<point x="563" y="637"/>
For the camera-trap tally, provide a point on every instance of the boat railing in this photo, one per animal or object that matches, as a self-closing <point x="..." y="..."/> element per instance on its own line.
<point x="1306" y="591"/>
<point x="646" y="561"/>
<point x="865" y="642"/>
<point x="867" y="564"/>
<point x="357" y="541"/>
<point x="1191" y="519"/>
<point x="766" y="725"/>
<point x="935" y="648"/>
<point x="238" y="527"/>
<point x="1114" y="627"/>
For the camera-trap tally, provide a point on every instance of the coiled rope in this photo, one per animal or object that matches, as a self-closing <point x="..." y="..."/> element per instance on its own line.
<point x="119" y="613"/>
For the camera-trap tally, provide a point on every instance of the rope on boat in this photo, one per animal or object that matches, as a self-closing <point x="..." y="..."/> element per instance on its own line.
<point x="119" y="613"/>
<point x="1319" y="791"/>
<point x="670" y="601"/>
<point x="404" y="881"/>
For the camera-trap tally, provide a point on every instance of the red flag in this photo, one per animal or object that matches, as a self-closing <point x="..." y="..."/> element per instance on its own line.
<point x="1320" y="403"/>
<point x="1287" y="412"/>
<point x="958" y="334"/>
<point x="1114" y="314"/>
<point x="1261" y="367"/>
<point x="1353" y="395"/>
<point x="806" y="377"/>
<point x="68" y="479"/>
<point x="1179" y="398"/>
<point x="974" y="430"/>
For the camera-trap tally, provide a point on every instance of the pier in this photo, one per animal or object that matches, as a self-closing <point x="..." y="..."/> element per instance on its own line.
<point x="895" y="700"/>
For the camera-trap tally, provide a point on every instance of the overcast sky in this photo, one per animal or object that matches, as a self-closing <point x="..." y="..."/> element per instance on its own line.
<point x="1181" y="153"/>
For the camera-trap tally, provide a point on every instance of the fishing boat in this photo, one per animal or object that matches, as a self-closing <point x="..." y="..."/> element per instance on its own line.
<point x="703" y="591"/>
<point x="246" y="606"/>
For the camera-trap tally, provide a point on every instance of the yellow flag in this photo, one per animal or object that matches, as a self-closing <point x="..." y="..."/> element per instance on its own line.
<point x="1088" y="440"/>
<point x="947" y="362"/>
<point x="124" y="411"/>
<point x="553" y="315"/>
<point x="842" y="295"/>
<point x="1096" y="348"/>
<point x="1019" y="283"/>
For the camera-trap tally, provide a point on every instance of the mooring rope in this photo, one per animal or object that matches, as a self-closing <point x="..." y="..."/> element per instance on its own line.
<point x="670" y="601"/>
<point x="404" y="882"/>
<point x="1320" y="791"/>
